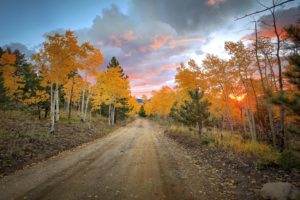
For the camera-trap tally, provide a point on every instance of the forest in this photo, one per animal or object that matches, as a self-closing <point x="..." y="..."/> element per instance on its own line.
<point x="62" y="76"/>
<point x="253" y="94"/>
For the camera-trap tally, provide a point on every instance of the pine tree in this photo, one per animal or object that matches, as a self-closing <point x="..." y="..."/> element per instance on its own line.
<point x="142" y="112"/>
<point x="121" y="112"/>
<point x="115" y="63"/>
<point x="193" y="112"/>
<point x="293" y="71"/>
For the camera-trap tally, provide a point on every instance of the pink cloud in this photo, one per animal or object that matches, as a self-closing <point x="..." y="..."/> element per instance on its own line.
<point x="285" y="18"/>
<point x="143" y="49"/>
<point x="148" y="93"/>
<point x="267" y="33"/>
<point x="118" y="40"/>
<point x="167" y="67"/>
<point x="159" y="41"/>
<point x="175" y="42"/>
<point x="137" y="77"/>
<point x="129" y="36"/>
<point x="115" y="41"/>
<point x="139" y="85"/>
<point x="128" y="54"/>
<point x="150" y="84"/>
<point x="162" y="68"/>
<point x="214" y="2"/>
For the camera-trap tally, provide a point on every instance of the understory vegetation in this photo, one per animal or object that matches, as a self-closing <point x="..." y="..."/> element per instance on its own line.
<point x="263" y="155"/>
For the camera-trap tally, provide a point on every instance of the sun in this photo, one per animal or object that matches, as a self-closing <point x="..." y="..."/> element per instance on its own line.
<point x="238" y="98"/>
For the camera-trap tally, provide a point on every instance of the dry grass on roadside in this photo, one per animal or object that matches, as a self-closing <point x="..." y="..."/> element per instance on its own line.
<point x="264" y="154"/>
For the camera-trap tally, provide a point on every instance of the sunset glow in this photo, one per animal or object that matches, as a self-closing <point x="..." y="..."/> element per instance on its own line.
<point x="238" y="98"/>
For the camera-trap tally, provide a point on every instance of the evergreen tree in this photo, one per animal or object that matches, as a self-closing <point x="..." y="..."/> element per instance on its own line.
<point x="142" y="112"/>
<point x="30" y="79"/>
<point x="115" y="63"/>
<point x="293" y="72"/>
<point x="193" y="112"/>
<point x="122" y="111"/>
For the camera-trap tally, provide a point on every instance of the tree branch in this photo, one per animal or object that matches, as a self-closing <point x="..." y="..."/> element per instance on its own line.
<point x="263" y="10"/>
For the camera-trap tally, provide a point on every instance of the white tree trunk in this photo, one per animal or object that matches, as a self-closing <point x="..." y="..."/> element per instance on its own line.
<point x="250" y="118"/>
<point x="79" y="107"/>
<point x="56" y="96"/>
<point x="52" y="110"/>
<point x="270" y="113"/>
<point x="90" y="121"/>
<point x="114" y="114"/>
<point x="109" y="114"/>
<point x="86" y="107"/>
<point x="68" y="104"/>
<point x="228" y="111"/>
<point x="253" y="125"/>
<point x="82" y="104"/>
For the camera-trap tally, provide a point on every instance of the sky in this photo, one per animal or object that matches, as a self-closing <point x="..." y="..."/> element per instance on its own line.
<point x="150" y="38"/>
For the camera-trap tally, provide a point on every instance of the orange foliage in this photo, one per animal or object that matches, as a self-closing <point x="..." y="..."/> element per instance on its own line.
<point x="11" y="80"/>
<point x="161" y="102"/>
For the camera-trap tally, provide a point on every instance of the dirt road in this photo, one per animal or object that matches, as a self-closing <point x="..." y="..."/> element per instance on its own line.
<point x="134" y="162"/>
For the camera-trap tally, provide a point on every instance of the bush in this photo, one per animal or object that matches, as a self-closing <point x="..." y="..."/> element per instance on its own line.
<point x="207" y="140"/>
<point x="288" y="160"/>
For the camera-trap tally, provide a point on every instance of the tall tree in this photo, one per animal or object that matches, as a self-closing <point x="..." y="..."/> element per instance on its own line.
<point x="91" y="58"/>
<point x="123" y="108"/>
<point x="241" y="59"/>
<point x="56" y="61"/>
<point x="111" y="88"/>
<point x="293" y="70"/>
<point x="194" y="112"/>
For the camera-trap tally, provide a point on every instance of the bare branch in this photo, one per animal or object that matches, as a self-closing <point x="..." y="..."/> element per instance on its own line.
<point x="263" y="10"/>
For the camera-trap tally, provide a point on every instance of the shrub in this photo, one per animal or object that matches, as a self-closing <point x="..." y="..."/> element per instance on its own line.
<point x="288" y="160"/>
<point x="207" y="140"/>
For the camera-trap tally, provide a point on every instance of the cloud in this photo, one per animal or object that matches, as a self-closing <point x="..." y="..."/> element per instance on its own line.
<point x="215" y="2"/>
<point x="21" y="47"/>
<point x="192" y="16"/>
<point x="163" y="68"/>
<point x="129" y="36"/>
<point x="283" y="18"/>
<point x="175" y="42"/>
<point x="159" y="41"/>
<point x="154" y="36"/>
<point x="119" y="40"/>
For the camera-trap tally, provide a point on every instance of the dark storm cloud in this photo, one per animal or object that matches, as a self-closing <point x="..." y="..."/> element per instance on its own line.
<point x="190" y="16"/>
<point x="284" y="18"/>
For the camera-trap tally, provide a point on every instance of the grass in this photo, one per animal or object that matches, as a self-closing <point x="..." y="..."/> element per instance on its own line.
<point x="264" y="154"/>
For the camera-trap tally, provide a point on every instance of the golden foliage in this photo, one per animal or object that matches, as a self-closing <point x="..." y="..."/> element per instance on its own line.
<point x="161" y="102"/>
<point x="13" y="83"/>
<point x="134" y="105"/>
<point x="110" y="86"/>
